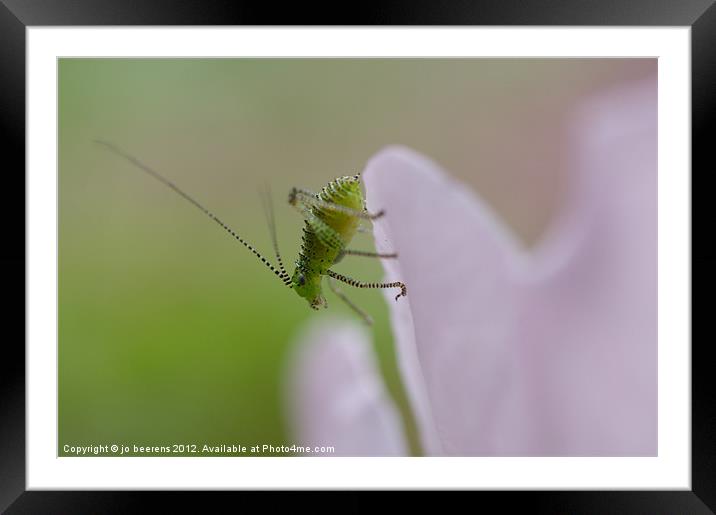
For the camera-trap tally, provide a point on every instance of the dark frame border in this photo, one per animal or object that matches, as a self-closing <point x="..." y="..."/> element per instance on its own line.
<point x="16" y="15"/>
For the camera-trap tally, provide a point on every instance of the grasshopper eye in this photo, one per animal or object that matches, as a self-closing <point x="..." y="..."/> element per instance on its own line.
<point x="301" y="280"/>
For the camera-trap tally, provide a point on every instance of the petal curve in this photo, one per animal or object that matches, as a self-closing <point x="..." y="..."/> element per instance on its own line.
<point x="552" y="353"/>
<point x="594" y="372"/>
<point x="336" y="396"/>
<point x="460" y="265"/>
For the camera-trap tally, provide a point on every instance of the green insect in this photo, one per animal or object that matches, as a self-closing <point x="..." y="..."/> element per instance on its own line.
<point x="331" y="217"/>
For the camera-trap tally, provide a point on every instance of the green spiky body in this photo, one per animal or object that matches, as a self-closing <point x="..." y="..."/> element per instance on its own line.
<point x="332" y="217"/>
<point x="326" y="234"/>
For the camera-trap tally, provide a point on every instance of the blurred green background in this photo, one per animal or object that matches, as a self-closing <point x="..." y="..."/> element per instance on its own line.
<point x="171" y="332"/>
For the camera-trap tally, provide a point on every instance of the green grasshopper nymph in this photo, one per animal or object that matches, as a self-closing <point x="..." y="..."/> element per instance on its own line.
<point x="331" y="219"/>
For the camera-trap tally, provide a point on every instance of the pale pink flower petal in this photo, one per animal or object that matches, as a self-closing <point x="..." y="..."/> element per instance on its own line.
<point x="590" y="337"/>
<point x="552" y="353"/>
<point x="336" y="395"/>
<point x="453" y="328"/>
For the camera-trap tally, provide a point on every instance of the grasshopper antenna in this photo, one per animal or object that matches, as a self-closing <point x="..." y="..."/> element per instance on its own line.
<point x="136" y="162"/>
<point x="267" y="202"/>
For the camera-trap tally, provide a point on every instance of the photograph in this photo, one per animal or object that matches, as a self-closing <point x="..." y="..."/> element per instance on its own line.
<point x="377" y="257"/>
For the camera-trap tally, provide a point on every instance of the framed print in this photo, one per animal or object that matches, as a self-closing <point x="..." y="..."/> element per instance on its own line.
<point x="374" y="257"/>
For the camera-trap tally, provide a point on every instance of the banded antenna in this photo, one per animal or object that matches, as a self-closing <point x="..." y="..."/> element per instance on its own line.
<point x="267" y="202"/>
<point x="136" y="162"/>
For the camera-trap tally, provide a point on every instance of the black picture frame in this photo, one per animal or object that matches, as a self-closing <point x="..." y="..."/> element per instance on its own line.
<point x="16" y="15"/>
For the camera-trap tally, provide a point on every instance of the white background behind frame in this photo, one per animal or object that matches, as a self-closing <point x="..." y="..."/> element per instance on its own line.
<point x="670" y="470"/>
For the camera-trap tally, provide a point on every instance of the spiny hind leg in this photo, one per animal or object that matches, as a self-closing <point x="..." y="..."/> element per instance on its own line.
<point x="311" y="199"/>
<point x="334" y="288"/>
<point x="363" y="253"/>
<point x="326" y="234"/>
<point x="359" y="284"/>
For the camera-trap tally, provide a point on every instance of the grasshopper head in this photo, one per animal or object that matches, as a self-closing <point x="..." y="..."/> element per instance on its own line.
<point x="308" y="286"/>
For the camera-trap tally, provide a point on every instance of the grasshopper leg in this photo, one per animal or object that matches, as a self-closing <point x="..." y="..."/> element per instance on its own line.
<point x="311" y="199"/>
<point x="350" y="252"/>
<point x="334" y="288"/>
<point x="359" y="284"/>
